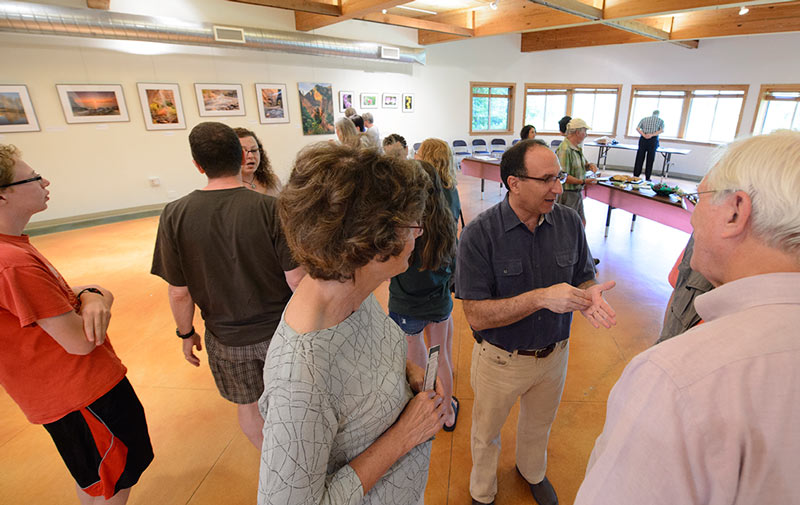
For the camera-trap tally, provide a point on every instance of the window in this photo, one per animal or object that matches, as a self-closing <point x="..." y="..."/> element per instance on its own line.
<point x="779" y="108"/>
<point x="491" y="107"/>
<point x="598" y="105"/>
<point x="709" y="114"/>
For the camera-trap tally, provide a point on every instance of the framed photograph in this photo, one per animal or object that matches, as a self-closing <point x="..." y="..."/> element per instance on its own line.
<point x="219" y="99"/>
<point x="369" y="100"/>
<point x="273" y="105"/>
<point x="409" y="102"/>
<point x="16" y="110"/>
<point x="346" y="99"/>
<point x="93" y="103"/>
<point x="391" y="100"/>
<point x="161" y="106"/>
<point x="316" y="107"/>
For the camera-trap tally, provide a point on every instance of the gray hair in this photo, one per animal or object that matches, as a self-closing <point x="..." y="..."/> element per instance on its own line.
<point x="367" y="117"/>
<point x="350" y="111"/>
<point x="767" y="168"/>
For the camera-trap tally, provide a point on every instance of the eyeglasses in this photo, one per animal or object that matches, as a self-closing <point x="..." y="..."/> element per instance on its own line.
<point x="24" y="181"/>
<point x="695" y="197"/>
<point x="418" y="230"/>
<point x="251" y="151"/>
<point x="548" y="179"/>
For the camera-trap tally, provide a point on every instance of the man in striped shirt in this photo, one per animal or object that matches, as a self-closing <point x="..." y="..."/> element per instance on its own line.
<point x="649" y="128"/>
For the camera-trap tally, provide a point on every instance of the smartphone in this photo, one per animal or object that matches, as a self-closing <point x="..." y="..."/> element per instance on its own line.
<point x="429" y="383"/>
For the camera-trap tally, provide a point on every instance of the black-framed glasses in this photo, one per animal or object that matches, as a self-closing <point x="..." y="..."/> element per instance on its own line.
<point x="24" y="181"/>
<point x="561" y="177"/>
<point x="250" y="151"/>
<point x="418" y="230"/>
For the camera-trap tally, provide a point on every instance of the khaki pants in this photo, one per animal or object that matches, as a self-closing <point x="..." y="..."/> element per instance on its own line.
<point x="498" y="378"/>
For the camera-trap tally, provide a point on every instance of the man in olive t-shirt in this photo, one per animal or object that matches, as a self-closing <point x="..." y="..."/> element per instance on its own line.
<point x="221" y="248"/>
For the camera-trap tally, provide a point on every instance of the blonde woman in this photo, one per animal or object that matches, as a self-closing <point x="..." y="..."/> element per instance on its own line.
<point x="419" y="298"/>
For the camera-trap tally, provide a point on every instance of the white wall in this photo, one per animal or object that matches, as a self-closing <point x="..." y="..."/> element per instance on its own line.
<point x="100" y="168"/>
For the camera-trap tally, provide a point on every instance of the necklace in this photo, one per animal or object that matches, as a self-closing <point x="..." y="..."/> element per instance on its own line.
<point x="252" y="182"/>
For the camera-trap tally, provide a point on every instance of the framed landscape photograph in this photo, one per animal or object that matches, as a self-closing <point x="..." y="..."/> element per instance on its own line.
<point x="161" y="106"/>
<point x="219" y="99"/>
<point x="273" y="105"/>
<point x="316" y="107"/>
<point x="16" y="110"/>
<point x="369" y="100"/>
<point x="93" y="103"/>
<point x="346" y="99"/>
<point x="409" y="102"/>
<point x="391" y="100"/>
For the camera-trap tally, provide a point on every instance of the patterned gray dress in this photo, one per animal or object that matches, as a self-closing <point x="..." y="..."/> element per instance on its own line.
<point x="329" y="394"/>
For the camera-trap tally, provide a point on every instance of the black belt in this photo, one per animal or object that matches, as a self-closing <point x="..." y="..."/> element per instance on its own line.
<point x="537" y="353"/>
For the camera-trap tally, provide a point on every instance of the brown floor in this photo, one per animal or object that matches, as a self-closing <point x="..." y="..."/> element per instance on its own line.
<point x="202" y="457"/>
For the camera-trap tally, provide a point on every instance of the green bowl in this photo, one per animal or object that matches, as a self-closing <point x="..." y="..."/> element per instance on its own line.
<point x="664" y="190"/>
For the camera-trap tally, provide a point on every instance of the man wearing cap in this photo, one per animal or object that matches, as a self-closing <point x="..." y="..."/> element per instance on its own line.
<point x="649" y="128"/>
<point x="574" y="163"/>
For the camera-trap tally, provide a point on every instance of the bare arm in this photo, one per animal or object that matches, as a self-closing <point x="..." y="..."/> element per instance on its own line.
<point x="495" y="313"/>
<point x="67" y="330"/>
<point x="182" y="305"/>
<point x="95" y="312"/>
<point x="293" y="277"/>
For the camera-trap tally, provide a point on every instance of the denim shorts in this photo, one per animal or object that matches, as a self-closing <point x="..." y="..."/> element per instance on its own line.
<point x="413" y="326"/>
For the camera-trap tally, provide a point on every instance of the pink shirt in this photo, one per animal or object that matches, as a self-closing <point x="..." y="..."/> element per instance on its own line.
<point x="711" y="416"/>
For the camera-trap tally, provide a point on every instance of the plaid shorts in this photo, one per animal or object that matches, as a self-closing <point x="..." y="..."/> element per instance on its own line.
<point x="238" y="370"/>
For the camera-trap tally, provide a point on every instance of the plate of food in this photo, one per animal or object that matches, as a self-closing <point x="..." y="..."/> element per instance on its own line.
<point x="629" y="179"/>
<point x="665" y="189"/>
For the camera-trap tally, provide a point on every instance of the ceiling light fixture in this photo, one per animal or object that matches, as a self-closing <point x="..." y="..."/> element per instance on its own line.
<point x="383" y="11"/>
<point x="744" y="10"/>
<point x="493" y="6"/>
<point x="415" y="9"/>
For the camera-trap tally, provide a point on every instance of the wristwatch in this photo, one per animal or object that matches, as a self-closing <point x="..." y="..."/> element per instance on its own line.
<point x="89" y="290"/>
<point x="184" y="336"/>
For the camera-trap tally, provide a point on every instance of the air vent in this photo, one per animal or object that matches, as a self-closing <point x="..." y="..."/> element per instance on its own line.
<point x="390" y="53"/>
<point x="229" y="34"/>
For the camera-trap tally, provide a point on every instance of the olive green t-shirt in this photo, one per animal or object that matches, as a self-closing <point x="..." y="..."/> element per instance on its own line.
<point x="227" y="247"/>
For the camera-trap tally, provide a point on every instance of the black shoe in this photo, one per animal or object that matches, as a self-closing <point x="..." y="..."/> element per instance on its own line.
<point x="543" y="492"/>
<point x="476" y="502"/>
<point x="596" y="261"/>
<point x="455" y="417"/>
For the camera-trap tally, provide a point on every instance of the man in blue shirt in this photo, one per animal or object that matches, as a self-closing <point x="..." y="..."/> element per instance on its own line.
<point x="523" y="267"/>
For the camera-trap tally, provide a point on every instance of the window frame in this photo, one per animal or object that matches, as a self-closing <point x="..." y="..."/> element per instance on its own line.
<point x="687" y="101"/>
<point x="511" y="93"/>
<point x="570" y="91"/>
<point x="771" y="88"/>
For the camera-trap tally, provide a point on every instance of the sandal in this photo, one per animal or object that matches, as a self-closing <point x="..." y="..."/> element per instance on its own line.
<point x="455" y="417"/>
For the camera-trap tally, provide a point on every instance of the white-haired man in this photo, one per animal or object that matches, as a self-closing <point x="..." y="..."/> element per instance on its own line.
<point x="372" y="132"/>
<point x="711" y="416"/>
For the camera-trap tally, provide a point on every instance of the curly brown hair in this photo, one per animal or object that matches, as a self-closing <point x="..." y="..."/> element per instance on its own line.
<point x="8" y="158"/>
<point x="437" y="246"/>
<point x="438" y="153"/>
<point x="343" y="207"/>
<point x="263" y="174"/>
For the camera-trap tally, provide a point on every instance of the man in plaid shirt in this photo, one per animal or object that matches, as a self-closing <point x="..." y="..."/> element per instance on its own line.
<point x="649" y="128"/>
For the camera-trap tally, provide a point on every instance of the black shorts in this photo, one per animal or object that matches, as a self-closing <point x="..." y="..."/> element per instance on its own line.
<point x="105" y="445"/>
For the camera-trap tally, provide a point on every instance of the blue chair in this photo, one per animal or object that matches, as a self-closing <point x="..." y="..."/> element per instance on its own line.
<point x="513" y="142"/>
<point x="555" y="143"/>
<point x="460" y="151"/>
<point x="498" y="146"/>
<point x="479" y="147"/>
<point x="416" y="146"/>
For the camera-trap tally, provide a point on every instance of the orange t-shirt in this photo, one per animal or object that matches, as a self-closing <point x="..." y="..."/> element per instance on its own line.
<point x="40" y="376"/>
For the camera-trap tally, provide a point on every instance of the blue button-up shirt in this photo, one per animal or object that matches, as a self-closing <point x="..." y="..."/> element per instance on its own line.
<point x="499" y="257"/>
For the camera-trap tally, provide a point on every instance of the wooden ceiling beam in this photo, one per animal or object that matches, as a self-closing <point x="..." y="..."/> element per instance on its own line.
<point x="580" y="36"/>
<point x="350" y="9"/>
<point x="98" y="4"/>
<point x="723" y="23"/>
<point x="621" y="9"/>
<point x="297" y="5"/>
<point x="420" y="24"/>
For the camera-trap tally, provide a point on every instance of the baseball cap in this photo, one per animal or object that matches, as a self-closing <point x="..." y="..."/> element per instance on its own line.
<point x="576" y="123"/>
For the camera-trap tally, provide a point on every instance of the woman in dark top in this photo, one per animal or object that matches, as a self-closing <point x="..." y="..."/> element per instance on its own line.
<point x="419" y="298"/>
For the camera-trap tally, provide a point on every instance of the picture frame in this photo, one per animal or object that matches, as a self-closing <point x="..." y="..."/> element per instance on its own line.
<point x="409" y="102"/>
<point x="216" y="100"/>
<point x="369" y="100"/>
<point x="316" y="107"/>
<point x="391" y="101"/>
<point x="93" y="103"/>
<point x="273" y="103"/>
<point x="161" y="106"/>
<point x="16" y="110"/>
<point x="346" y="99"/>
